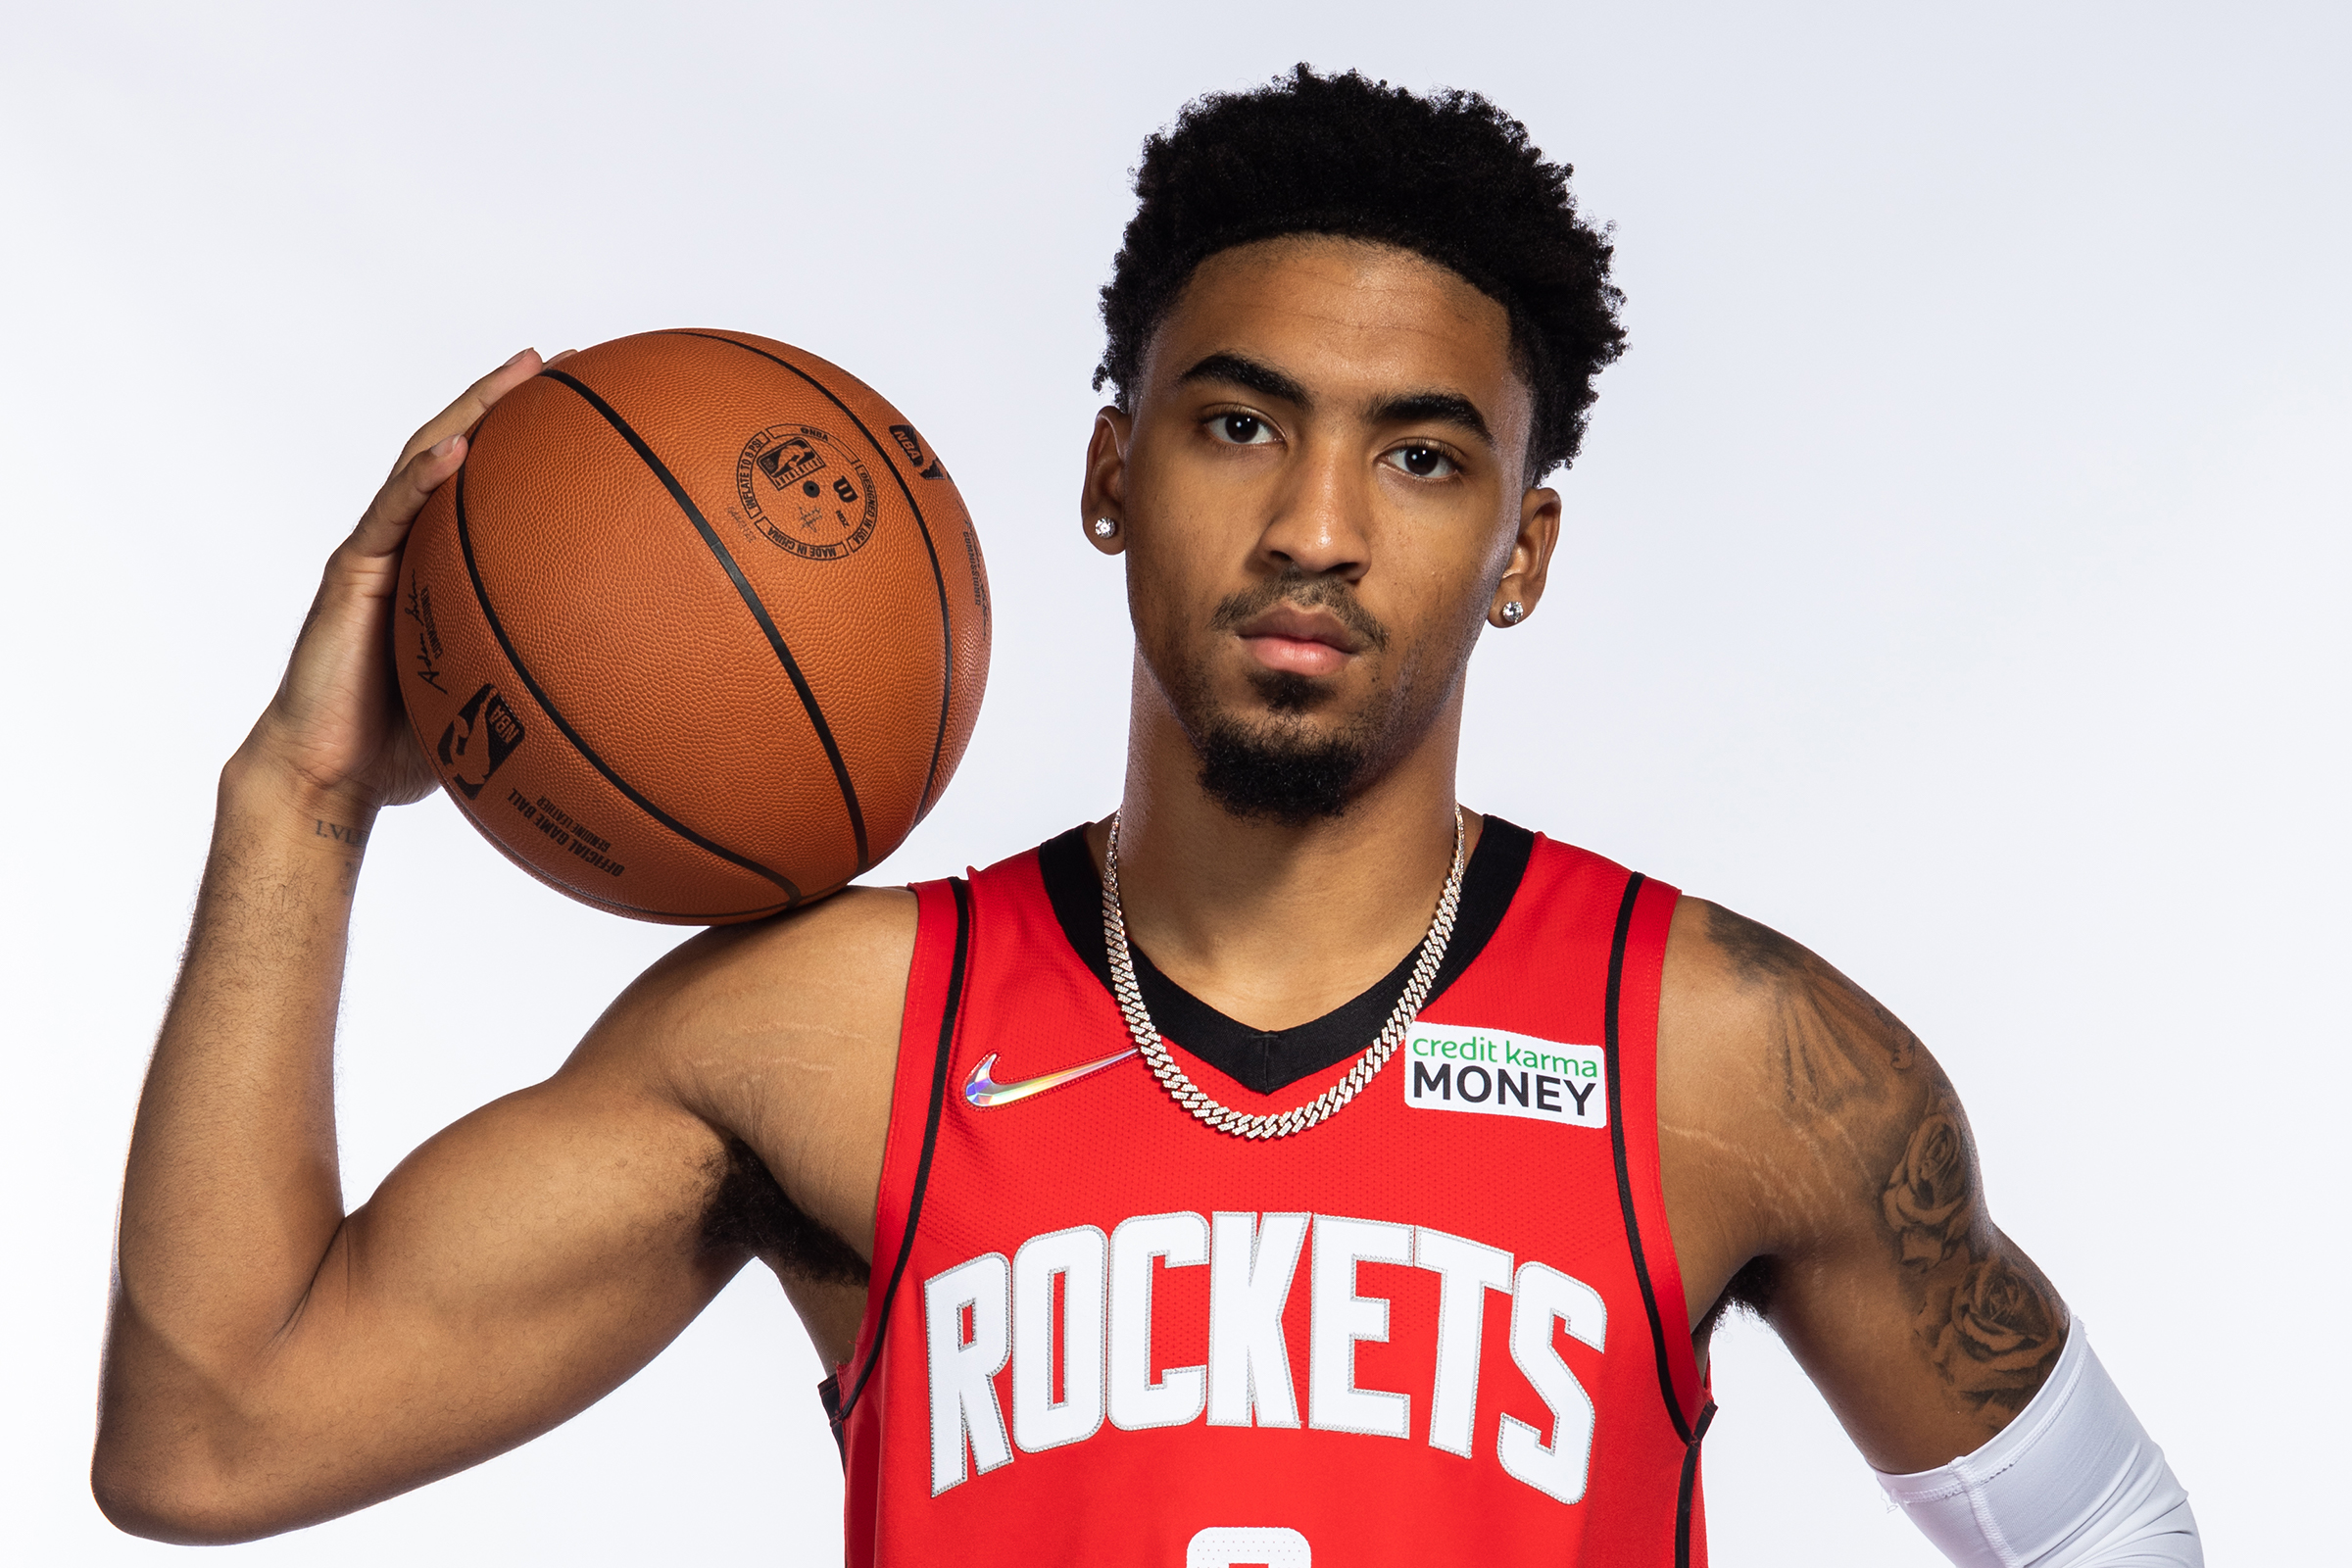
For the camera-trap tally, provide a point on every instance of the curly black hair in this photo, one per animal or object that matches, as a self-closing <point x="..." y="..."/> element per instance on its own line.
<point x="1449" y="176"/>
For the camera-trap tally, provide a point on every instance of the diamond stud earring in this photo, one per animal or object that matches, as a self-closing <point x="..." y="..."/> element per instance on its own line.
<point x="1105" y="528"/>
<point x="1513" y="612"/>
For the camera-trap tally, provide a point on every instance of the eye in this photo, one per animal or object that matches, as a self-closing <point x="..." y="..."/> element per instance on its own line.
<point x="1424" y="462"/>
<point x="1239" y="430"/>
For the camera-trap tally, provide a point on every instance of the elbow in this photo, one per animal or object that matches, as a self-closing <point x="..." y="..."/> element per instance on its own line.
<point x="183" y="1455"/>
<point x="171" y="1504"/>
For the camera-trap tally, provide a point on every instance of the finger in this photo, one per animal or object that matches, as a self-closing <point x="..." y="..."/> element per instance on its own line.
<point x="561" y="356"/>
<point x="385" y="525"/>
<point x="475" y="401"/>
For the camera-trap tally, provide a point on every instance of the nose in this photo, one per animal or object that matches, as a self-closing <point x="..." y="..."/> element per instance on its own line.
<point x="1321" y="523"/>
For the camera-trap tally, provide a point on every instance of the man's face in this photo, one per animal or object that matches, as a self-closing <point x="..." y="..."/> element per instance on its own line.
<point x="1320" y="488"/>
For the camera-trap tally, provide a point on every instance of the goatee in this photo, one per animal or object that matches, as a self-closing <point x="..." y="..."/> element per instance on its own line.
<point x="1267" y="767"/>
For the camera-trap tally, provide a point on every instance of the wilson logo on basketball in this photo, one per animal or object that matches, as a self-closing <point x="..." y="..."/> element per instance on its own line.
<point x="805" y="492"/>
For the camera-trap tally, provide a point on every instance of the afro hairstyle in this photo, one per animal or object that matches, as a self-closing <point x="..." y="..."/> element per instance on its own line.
<point x="1449" y="176"/>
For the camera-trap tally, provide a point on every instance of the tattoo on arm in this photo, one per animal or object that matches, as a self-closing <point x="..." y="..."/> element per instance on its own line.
<point x="1987" y="1317"/>
<point x="1854" y="1078"/>
<point x="1833" y="1043"/>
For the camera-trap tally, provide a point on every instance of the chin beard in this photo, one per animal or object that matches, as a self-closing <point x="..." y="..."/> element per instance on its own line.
<point x="1269" y="769"/>
<point x="1252" y="773"/>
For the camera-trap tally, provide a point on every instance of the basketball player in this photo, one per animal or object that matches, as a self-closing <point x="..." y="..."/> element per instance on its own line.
<point x="1292" y="1167"/>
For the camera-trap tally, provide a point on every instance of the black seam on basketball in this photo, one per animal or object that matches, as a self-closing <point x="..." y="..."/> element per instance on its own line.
<point x="922" y="1166"/>
<point x="1687" y="1494"/>
<point x="751" y="602"/>
<point x="1625" y="1180"/>
<point x="938" y="581"/>
<point x="481" y="597"/>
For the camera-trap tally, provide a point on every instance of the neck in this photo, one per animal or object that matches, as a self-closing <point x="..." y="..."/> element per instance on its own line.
<point x="1276" y="923"/>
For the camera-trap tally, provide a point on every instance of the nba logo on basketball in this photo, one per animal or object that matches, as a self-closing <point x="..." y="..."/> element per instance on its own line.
<point x="788" y="460"/>
<point x="912" y="445"/>
<point x="485" y="717"/>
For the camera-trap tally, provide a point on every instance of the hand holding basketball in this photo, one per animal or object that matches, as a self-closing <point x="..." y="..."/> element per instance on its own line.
<point x="334" y="727"/>
<point x="695" y="629"/>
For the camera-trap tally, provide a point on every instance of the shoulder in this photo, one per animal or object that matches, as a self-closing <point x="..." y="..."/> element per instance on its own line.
<point x="837" y="946"/>
<point x="819" y="989"/>
<point x="781" y="1037"/>
<point x="1743" y="1002"/>
<point x="1785" y="1096"/>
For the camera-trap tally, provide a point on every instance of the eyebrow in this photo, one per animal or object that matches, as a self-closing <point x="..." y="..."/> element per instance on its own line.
<point x="1444" y="408"/>
<point x="1258" y="377"/>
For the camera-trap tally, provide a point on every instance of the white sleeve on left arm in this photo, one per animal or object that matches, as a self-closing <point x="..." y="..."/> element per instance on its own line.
<point x="2072" y="1483"/>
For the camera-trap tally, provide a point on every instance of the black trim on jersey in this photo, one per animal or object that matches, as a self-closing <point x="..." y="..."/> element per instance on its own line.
<point x="829" y="1395"/>
<point x="1687" y="1494"/>
<point x="1625" y="1180"/>
<point x="1268" y="1059"/>
<point x="839" y="1414"/>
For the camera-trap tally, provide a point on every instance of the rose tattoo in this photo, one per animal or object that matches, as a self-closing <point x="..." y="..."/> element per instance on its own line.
<point x="1930" y="1198"/>
<point x="2000" y="1333"/>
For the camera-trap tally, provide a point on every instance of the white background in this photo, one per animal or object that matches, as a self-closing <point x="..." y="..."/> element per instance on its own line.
<point x="1953" y="580"/>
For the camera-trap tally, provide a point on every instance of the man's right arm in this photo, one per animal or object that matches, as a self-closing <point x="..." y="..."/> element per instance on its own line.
<point x="273" y="1362"/>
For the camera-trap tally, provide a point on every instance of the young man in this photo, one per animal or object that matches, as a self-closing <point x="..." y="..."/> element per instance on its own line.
<point x="1402" y="1241"/>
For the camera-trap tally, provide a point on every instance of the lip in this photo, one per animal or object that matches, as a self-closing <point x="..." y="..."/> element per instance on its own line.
<point x="1299" y="640"/>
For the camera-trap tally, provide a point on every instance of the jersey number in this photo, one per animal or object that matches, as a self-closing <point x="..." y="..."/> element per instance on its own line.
<point x="1247" y="1547"/>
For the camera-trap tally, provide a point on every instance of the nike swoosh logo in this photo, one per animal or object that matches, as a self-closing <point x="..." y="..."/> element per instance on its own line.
<point x="985" y="1092"/>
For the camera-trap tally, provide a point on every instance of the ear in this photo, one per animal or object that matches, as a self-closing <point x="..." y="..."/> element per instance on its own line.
<point x="1531" y="557"/>
<point x="1105" y="493"/>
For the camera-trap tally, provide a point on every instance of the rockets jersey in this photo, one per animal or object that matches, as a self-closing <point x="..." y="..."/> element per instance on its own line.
<point x="1444" y="1325"/>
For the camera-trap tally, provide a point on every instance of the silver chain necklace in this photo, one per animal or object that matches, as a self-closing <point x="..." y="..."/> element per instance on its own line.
<point x="1191" y="1096"/>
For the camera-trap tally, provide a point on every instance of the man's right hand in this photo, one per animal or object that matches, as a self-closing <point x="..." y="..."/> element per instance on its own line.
<point x="336" y="729"/>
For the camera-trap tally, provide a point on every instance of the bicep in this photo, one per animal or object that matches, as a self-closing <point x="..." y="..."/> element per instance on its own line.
<point x="533" y="1255"/>
<point x="513" y="1269"/>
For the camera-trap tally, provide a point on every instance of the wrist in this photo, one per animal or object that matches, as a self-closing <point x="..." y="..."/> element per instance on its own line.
<point x="260" y="793"/>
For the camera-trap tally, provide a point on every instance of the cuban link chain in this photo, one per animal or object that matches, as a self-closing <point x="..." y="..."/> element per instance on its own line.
<point x="1191" y="1096"/>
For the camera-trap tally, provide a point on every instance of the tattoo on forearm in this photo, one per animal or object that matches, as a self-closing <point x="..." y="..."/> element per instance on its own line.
<point x="341" y="833"/>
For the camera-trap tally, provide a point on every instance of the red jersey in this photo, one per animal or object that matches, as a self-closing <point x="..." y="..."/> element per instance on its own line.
<point x="1444" y="1325"/>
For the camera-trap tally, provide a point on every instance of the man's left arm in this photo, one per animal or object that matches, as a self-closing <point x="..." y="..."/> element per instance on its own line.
<point x="1819" y="1170"/>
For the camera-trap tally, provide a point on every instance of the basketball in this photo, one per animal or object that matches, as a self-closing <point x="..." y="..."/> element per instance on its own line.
<point x="699" y="630"/>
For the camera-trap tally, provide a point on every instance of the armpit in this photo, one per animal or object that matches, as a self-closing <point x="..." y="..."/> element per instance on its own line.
<point x="748" y="1211"/>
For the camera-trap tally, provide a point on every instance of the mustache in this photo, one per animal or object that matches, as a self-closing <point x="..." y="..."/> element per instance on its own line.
<point x="1307" y="593"/>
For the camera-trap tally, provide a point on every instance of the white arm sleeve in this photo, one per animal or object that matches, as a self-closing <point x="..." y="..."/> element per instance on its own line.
<point x="2072" y="1483"/>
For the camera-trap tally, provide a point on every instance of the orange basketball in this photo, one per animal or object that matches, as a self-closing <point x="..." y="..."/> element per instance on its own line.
<point x="700" y="629"/>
